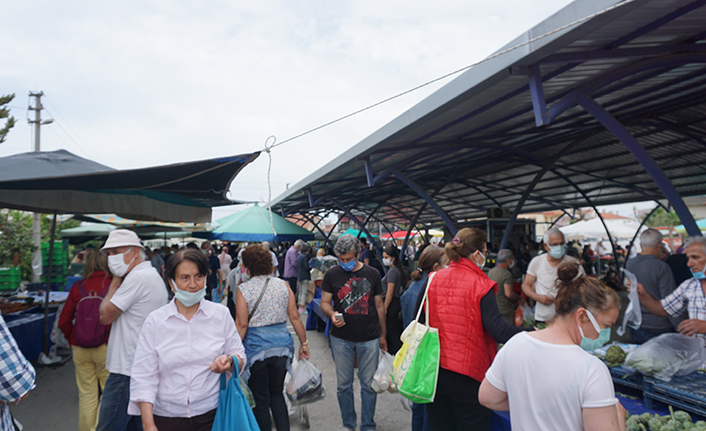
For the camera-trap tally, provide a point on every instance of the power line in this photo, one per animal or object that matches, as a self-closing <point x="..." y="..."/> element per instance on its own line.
<point x="457" y="71"/>
<point x="78" y="138"/>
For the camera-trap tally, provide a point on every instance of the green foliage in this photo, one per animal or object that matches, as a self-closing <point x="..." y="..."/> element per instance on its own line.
<point x="5" y="113"/>
<point x="663" y="218"/>
<point x="16" y="233"/>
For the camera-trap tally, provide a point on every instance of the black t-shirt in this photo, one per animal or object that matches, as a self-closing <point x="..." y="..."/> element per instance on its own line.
<point x="354" y="296"/>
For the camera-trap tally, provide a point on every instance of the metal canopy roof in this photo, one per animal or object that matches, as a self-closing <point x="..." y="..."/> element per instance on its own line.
<point x="476" y="144"/>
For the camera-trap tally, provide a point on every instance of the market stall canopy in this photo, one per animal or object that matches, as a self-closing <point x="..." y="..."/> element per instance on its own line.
<point x="358" y="234"/>
<point x="602" y="103"/>
<point x="593" y="229"/>
<point x="253" y="225"/>
<point x="700" y="223"/>
<point x="61" y="182"/>
<point x="400" y="234"/>
<point x="142" y="225"/>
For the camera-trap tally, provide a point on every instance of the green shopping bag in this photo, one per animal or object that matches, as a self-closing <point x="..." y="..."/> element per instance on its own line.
<point x="416" y="367"/>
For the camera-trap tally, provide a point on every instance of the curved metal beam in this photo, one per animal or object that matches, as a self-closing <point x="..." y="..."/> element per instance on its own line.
<point x="439" y="211"/>
<point x="632" y="243"/>
<point x="659" y="177"/>
<point x="316" y="226"/>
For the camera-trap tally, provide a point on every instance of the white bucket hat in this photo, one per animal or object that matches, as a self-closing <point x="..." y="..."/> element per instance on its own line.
<point x="121" y="238"/>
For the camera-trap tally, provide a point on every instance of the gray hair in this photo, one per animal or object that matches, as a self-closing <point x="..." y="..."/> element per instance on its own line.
<point x="650" y="238"/>
<point x="299" y="243"/>
<point x="550" y="232"/>
<point x="266" y="245"/>
<point x="504" y="255"/>
<point x="701" y="240"/>
<point x="346" y="244"/>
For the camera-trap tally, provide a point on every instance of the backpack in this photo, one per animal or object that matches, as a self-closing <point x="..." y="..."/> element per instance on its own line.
<point x="89" y="332"/>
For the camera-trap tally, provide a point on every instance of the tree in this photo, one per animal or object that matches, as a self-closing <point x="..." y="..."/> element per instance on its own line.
<point x="662" y="218"/>
<point x="16" y="234"/>
<point x="5" y="113"/>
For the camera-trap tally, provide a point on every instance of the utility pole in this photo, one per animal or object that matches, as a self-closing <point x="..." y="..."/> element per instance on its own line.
<point x="36" y="224"/>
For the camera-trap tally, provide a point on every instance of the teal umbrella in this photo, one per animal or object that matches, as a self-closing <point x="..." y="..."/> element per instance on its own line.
<point x="356" y="233"/>
<point x="253" y="225"/>
<point x="700" y="223"/>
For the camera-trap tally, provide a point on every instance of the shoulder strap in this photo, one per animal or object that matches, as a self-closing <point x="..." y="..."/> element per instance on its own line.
<point x="82" y="289"/>
<point x="252" y="312"/>
<point x="424" y="300"/>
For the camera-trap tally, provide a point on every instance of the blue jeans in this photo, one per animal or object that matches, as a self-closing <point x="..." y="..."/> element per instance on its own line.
<point x="113" y="410"/>
<point x="344" y="353"/>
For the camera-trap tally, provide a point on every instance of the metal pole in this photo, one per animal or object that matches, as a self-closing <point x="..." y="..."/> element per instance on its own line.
<point x="45" y="335"/>
<point x="36" y="222"/>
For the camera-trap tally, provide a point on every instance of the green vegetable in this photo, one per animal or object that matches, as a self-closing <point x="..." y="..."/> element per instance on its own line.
<point x="646" y="417"/>
<point x="682" y="416"/>
<point x="615" y="356"/>
<point x="656" y="423"/>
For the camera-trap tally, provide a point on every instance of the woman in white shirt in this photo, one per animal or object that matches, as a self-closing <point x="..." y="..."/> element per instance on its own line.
<point x="183" y="348"/>
<point x="547" y="379"/>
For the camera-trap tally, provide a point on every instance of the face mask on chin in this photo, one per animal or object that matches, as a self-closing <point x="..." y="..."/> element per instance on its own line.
<point x="188" y="298"/>
<point x="699" y="275"/>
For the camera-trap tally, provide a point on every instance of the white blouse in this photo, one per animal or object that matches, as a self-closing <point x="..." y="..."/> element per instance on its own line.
<point x="173" y="358"/>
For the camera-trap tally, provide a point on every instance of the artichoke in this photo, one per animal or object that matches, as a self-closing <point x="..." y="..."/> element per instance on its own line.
<point x="615" y="356"/>
<point x="682" y="416"/>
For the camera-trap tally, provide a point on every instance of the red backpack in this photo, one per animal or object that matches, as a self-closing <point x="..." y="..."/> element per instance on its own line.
<point x="89" y="332"/>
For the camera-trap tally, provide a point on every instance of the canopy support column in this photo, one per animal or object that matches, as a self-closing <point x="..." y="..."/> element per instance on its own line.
<point x="45" y="334"/>
<point x="440" y="212"/>
<point x="659" y="177"/>
<point x="316" y="226"/>
<point x="412" y="226"/>
<point x="353" y="218"/>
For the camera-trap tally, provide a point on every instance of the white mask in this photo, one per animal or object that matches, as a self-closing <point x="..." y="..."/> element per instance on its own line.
<point x="117" y="265"/>
<point x="386" y="261"/>
<point x="512" y="265"/>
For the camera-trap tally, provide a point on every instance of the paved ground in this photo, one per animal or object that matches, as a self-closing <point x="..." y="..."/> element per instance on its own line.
<point x="53" y="405"/>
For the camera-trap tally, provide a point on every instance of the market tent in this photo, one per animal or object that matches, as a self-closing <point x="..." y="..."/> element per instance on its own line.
<point x="400" y="234"/>
<point x="619" y="228"/>
<point x="90" y="232"/>
<point x="61" y="182"/>
<point x="358" y="234"/>
<point x="253" y="224"/>
<point x="700" y="223"/>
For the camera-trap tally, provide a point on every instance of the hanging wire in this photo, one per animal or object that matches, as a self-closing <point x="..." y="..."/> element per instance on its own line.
<point x="457" y="71"/>
<point x="268" y="149"/>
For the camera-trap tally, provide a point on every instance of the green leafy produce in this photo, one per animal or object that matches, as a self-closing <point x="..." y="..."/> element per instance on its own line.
<point x="676" y="421"/>
<point x="615" y="356"/>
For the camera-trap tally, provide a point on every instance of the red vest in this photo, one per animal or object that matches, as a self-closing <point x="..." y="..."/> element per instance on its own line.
<point x="454" y="308"/>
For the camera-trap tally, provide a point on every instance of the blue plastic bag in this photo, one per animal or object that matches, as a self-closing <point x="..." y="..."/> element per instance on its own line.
<point x="234" y="412"/>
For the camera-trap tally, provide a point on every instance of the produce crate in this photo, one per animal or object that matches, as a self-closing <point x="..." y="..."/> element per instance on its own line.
<point x="686" y="392"/>
<point x="623" y="378"/>
<point x="10" y="278"/>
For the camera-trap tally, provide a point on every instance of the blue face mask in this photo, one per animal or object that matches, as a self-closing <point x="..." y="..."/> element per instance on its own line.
<point x="189" y="298"/>
<point x="557" y="251"/>
<point x="589" y="344"/>
<point x="348" y="266"/>
<point x="699" y="275"/>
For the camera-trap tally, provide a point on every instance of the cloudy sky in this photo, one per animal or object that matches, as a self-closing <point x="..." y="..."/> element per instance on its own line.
<point x="141" y="83"/>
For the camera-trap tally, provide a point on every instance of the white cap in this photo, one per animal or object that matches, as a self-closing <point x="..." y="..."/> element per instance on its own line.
<point x="121" y="238"/>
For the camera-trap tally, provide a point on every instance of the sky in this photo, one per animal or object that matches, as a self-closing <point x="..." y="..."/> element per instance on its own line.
<point x="133" y="84"/>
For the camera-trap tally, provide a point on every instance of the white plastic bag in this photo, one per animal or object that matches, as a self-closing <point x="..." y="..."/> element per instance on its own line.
<point x="306" y="385"/>
<point x="382" y="380"/>
<point x="633" y="312"/>
<point x="667" y="355"/>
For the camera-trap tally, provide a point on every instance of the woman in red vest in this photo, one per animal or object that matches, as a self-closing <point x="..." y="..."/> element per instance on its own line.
<point x="462" y="306"/>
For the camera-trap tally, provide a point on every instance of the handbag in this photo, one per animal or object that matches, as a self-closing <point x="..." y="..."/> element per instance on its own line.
<point x="415" y="370"/>
<point x="234" y="412"/>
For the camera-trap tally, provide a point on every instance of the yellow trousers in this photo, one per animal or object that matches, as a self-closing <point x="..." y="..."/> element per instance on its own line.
<point x="90" y="372"/>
